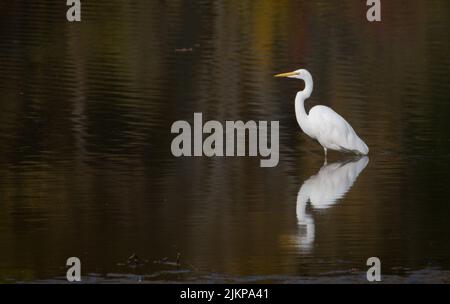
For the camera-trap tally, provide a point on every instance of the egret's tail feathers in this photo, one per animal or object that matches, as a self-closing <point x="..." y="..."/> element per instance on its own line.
<point x="363" y="149"/>
<point x="359" y="148"/>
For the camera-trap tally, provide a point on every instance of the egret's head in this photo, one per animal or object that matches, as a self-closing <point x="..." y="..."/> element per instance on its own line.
<point x="299" y="74"/>
<point x="303" y="75"/>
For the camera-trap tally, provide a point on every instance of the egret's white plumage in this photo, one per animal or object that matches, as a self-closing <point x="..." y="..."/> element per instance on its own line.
<point x="329" y="128"/>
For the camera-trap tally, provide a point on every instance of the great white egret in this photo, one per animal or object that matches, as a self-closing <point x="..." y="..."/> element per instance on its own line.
<point x="329" y="128"/>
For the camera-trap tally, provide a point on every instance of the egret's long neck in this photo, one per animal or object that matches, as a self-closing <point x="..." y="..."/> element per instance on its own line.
<point x="300" y="112"/>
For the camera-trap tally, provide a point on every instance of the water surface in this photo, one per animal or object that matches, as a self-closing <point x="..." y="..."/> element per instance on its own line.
<point x="85" y="162"/>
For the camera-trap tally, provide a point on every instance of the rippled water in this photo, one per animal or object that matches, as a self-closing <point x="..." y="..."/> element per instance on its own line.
<point x="85" y="162"/>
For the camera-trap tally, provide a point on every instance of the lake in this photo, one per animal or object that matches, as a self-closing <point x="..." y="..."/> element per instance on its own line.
<point x="86" y="168"/>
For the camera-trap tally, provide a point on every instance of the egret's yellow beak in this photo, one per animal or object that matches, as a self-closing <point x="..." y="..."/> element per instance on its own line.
<point x="286" y="74"/>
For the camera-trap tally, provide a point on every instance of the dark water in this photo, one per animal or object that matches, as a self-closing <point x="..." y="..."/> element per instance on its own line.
<point x="85" y="162"/>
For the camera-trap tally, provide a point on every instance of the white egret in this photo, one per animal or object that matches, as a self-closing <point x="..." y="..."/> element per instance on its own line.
<point x="329" y="128"/>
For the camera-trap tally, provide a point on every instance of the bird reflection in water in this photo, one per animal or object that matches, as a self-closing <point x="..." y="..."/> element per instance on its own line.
<point x="323" y="190"/>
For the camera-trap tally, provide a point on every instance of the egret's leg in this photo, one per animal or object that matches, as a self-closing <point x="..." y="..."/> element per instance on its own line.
<point x="325" y="150"/>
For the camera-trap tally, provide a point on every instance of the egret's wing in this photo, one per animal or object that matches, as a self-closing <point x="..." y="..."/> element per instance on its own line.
<point x="334" y="130"/>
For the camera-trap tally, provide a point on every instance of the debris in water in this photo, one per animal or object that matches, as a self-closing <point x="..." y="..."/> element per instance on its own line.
<point x="184" y="50"/>
<point x="166" y="261"/>
<point x="133" y="261"/>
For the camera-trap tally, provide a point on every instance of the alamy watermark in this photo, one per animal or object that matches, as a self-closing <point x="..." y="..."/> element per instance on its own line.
<point x="374" y="12"/>
<point x="373" y="274"/>
<point x="74" y="11"/>
<point x="73" y="274"/>
<point x="228" y="140"/>
<point x="236" y="138"/>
